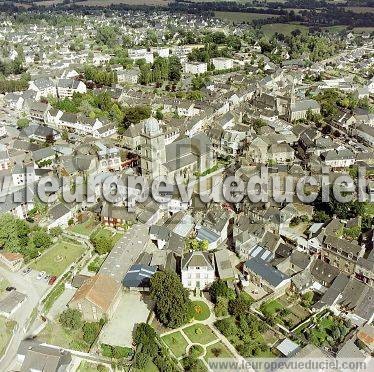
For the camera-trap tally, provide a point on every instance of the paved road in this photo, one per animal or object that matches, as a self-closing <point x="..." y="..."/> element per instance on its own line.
<point x="34" y="290"/>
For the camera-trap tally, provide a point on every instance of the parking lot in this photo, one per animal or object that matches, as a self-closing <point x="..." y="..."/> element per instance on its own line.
<point x="131" y="310"/>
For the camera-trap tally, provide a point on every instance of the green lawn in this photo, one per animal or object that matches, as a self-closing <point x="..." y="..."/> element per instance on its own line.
<point x="6" y="329"/>
<point x="89" y="367"/>
<point x="176" y="343"/>
<point x="55" y="334"/>
<point x="86" y="228"/>
<point x="201" y="310"/>
<point x="218" y="350"/>
<point x="200" y="334"/>
<point x="272" y="306"/>
<point x="56" y="292"/>
<point x="150" y="367"/>
<point x="57" y="258"/>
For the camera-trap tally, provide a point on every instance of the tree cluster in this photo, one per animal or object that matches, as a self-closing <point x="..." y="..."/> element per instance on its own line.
<point x="151" y="349"/>
<point x="19" y="236"/>
<point x="173" y="307"/>
<point x="162" y="69"/>
<point x="100" y="76"/>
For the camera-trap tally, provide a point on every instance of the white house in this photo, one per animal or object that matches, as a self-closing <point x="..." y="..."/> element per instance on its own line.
<point x="43" y="87"/>
<point x="339" y="159"/>
<point x="136" y="54"/>
<point x="221" y="63"/>
<point x="67" y="87"/>
<point x="195" y="68"/>
<point x="198" y="270"/>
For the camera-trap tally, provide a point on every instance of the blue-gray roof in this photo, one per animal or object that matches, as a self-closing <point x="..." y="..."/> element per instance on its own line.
<point x="139" y="276"/>
<point x="206" y="234"/>
<point x="270" y="274"/>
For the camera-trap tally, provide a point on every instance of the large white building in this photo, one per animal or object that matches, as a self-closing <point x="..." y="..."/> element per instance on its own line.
<point x="198" y="270"/>
<point x="195" y="68"/>
<point x="221" y="63"/>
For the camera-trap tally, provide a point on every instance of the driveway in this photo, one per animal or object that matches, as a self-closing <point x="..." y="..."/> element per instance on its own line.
<point x="130" y="311"/>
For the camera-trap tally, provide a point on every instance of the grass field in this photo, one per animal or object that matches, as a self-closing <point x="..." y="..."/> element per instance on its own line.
<point x="6" y="329"/>
<point x="176" y="343"/>
<point x="238" y="17"/>
<point x="199" y="334"/>
<point x="85" y="228"/>
<point x="55" y="334"/>
<point x="201" y="310"/>
<point x="218" y="350"/>
<point x="56" y="259"/>
<point x="282" y="28"/>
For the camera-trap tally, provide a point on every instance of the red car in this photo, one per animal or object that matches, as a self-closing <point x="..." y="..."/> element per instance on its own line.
<point x="52" y="279"/>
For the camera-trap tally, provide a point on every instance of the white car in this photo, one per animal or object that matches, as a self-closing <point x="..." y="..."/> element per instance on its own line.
<point x="41" y="275"/>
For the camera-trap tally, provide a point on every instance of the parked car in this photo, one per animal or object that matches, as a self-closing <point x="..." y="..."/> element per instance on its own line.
<point x="52" y="279"/>
<point x="26" y="271"/>
<point x="41" y="275"/>
<point x="9" y="289"/>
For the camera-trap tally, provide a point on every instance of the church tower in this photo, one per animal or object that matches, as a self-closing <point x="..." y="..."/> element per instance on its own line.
<point x="153" y="154"/>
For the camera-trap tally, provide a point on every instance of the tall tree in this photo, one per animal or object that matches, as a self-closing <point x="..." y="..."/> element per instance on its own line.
<point x="173" y="307"/>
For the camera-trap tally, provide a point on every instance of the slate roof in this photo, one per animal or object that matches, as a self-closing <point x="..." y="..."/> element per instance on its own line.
<point x="197" y="259"/>
<point x="268" y="273"/>
<point x="139" y="276"/>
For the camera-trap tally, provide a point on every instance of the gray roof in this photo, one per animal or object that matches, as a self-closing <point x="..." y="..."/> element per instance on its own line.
<point x="125" y="252"/>
<point x="270" y="274"/>
<point x="43" y="153"/>
<point x="11" y="301"/>
<point x="197" y="259"/>
<point x="224" y="266"/>
<point x="305" y="105"/>
<point x="343" y="245"/>
<point x="324" y="272"/>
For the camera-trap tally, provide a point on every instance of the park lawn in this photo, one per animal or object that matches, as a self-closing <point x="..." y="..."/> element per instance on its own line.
<point x="86" y="228"/>
<point x="283" y="28"/>
<point x="200" y="334"/>
<point x="6" y="330"/>
<point x="369" y="209"/>
<point x="89" y="367"/>
<point x="273" y="306"/>
<point x="201" y="310"/>
<point x="217" y="350"/>
<point x="55" y="334"/>
<point x="176" y="343"/>
<point x="58" y="258"/>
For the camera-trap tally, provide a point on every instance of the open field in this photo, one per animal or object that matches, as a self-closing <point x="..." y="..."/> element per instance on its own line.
<point x="57" y="258"/>
<point x="238" y="17"/>
<point x="282" y="28"/>
<point x="129" y="2"/>
<point x="360" y="9"/>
